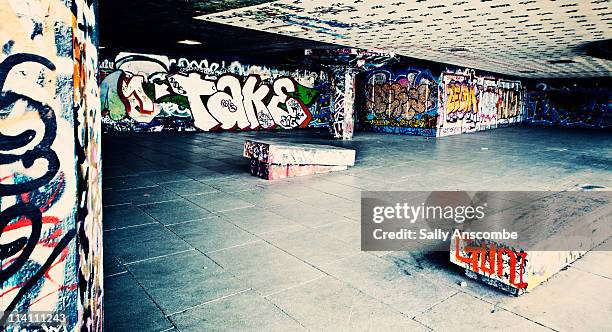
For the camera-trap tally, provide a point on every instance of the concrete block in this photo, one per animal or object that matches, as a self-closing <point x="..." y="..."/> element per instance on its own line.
<point x="560" y="237"/>
<point x="278" y="160"/>
<point x="284" y="153"/>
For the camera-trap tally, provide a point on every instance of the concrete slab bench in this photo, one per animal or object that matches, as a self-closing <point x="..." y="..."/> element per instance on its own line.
<point x="569" y="225"/>
<point x="276" y="160"/>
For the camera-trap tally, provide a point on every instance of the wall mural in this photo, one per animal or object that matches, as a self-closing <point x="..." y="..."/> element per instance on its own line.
<point x="412" y="101"/>
<point x="48" y="95"/>
<point x="570" y="107"/>
<point x="156" y="93"/>
<point x="401" y="102"/>
<point x="468" y="103"/>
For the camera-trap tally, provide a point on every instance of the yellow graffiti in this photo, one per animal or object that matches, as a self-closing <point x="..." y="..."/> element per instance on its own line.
<point x="461" y="98"/>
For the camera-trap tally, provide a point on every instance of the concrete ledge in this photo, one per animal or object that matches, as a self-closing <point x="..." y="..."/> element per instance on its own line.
<point x="519" y="269"/>
<point x="278" y="160"/>
<point x="283" y="153"/>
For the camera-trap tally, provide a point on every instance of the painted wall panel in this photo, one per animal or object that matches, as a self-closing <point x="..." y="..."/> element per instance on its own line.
<point x="570" y="106"/>
<point x="142" y="92"/>
<point x="413" y="101"/>
<point x="469" y="103"/>
<point x="403" y="101"/>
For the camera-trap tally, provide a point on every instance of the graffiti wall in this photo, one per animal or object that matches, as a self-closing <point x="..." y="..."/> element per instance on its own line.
<point x="575" y="106"/>
<point x="469" y="103"/>
<point x="156" y="93"/>
<point x="50" y="216"/>
<point x="404" y="102"/>
<point x="413" y="101"/>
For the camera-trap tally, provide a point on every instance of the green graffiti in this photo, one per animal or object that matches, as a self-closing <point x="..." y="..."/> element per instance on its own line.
<point x="305" y="94"/>
<point x="181" y="101"/>
<point x="149" y="90"/>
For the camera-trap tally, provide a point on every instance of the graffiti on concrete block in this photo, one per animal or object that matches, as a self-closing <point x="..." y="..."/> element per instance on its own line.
<point x="585" y="107"/>
<point x="150" y="93"/>
<point x="503" y="265"/>
<point x="401" y="99"/>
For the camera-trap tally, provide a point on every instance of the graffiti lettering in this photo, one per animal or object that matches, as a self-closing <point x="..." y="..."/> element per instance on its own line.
<point x="501" y="263"/>
<point x="586" y="107"/>
<point x="402" y="99"/>
<point x="140" y="93"/>
<point x="461" y="102"/>
<point x="469" y="103"/>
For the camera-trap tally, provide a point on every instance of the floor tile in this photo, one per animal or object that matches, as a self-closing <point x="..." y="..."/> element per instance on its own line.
<point x="189" y="187"/>
<point x="142" y="242"/>
<point x="257" y="220"/>
<point x="464" y="312"/>
<point x="327" y="304"/>
<point x="127" y="307"/>
<point x="579" y="302"/>
<point x="181" y="281"/>
<point x="300" y="244"/>
<point x="212" y="234"/>
<point x="124" y="216"/>
<point x="249" y="312"/>
<point x="138" y="196"/>
<point x="176" y="211"/>
<point x="219" y="202"/>
<point x="407" y="292"/>
<point x="264" y="267"/>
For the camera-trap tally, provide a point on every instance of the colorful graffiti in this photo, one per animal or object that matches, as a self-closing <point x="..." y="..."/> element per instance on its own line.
<point x="155" y="93"/>
<point x="504" y="267"/>
<point x="86" y="108"/>
<point x="585" y="107"/>
<point x="44" y="268"/>
<point x="274" y="161"/>
<point x="398" y="101"/>
<point x="468" y="103"/>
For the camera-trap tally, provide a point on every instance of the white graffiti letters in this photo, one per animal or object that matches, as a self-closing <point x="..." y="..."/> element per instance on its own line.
<point x="231" y="104"/>
<point x="253" y="94"/>
<point x="228" y="108"/>
<point x="281" y="87"/>
<point x="193" y="87"/>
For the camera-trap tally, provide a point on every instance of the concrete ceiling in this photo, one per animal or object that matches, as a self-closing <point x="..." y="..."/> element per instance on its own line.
<point x="156" y="26"/>
<point x="515" y="37"/>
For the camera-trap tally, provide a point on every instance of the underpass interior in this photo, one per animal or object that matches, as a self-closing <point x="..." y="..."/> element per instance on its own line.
<point x="218" y="165"/>
<point x="194" y="243"/>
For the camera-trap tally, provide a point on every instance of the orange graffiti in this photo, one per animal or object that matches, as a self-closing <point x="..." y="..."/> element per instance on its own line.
<point x="478" y="257"/>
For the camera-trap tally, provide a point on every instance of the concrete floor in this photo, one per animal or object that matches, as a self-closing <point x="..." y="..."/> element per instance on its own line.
<point x="192" y="242"/>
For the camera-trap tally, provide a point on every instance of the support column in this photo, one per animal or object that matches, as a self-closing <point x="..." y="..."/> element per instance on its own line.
<point x="50" y="183"/>
<point x="342" y="122"/>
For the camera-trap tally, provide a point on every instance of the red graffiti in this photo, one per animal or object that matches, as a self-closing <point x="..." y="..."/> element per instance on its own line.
<point x="489" y="259"/>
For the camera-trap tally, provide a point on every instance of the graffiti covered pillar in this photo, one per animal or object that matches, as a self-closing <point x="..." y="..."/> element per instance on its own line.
<point x="342" y="121"/>
<point x="50" y="206"/>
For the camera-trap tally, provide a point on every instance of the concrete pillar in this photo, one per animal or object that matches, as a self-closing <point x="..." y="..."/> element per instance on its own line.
<point x="342" y="122"/>
<point x="50" y="164"/>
